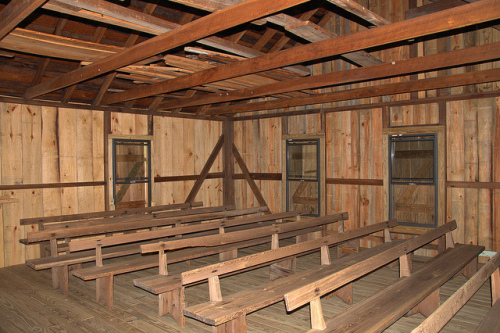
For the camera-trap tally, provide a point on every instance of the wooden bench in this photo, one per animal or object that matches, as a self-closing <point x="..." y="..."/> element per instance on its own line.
<point x="168" y="284"/>
<point x="491" y="323"/>
<point x="79" y="229"/>
<point x="412" y="293"/>
<point x="104" y="274"/>
<point x="85" y="219"/>
<point x="229" y="314"/>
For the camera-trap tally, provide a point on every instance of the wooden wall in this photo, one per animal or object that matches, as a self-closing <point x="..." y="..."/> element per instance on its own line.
<point x="56" y="146"/>
<point x="44" y="145"/>
<point x="354" y="138"/>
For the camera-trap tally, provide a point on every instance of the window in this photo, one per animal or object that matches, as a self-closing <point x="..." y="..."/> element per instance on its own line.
<point x="131" y="172"/>
<point x="413" y="179"/>
<point x="303" y="174"/>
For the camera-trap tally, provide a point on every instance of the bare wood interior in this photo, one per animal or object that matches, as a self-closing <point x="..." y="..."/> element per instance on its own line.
<point x="394" y="107"/>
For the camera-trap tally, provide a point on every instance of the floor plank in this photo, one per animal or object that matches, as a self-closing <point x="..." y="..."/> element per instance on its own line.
<point x="29" y="304"/>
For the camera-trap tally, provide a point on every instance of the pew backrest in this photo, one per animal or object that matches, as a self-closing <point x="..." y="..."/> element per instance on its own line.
<point x="310" y="292"/>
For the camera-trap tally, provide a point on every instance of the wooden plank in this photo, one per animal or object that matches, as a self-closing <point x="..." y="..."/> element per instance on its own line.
<point x="360" y="11"/>
<point x="401" y="67"/>
<point x="278" y="253"/>
<point x="250" y="181"/>
<point x="12" y="172"/>
<point x="32" y="171"/>
<point x="62" y="218"/>
<point x="228" y="191"/>
<point x="214" y="240"/>
<point x="408" y="29"/>
<point x="138" y="224"/>
<point x="178" y="230"/>
<point x="16" y="11"/>
<point x="301" y="296"/>
<point x="206" y="169"/>
<point x="380" y="310"/>
<point x="67" y="159"/>
<point x="380" y="90"/>
<point x="438" y="319"/>
<point x="226" y="18"/>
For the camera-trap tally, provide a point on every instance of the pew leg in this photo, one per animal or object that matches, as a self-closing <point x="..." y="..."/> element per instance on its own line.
<point x="228" y="255"/>
<point x="427" y="306"/>
<point x="237" y="325"/>
<point x="283" y="268"/>
<point x="173" y="302"/>
<point x="60" y="279"/>
<point x="104" y="290"/>
<point x="344" y="293"/>
<point x="470" y="269"/>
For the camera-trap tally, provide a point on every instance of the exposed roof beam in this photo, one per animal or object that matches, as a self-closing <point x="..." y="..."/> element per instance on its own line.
<point x="462" y="57"/>
<point x="483" y="11"/>
<point x="15" y="12"/>
<point x="48" y="45"/>
<point x="304" y="29"/>
<point x="380" y="90"/>
<point x="205" y="26"/>
<point x="103" y="11"/>
<point x="378" y="105"/>
<point x="355" y="8"/>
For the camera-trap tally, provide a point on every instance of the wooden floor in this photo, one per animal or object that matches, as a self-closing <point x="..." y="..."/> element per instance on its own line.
<point x="29" y="304"/>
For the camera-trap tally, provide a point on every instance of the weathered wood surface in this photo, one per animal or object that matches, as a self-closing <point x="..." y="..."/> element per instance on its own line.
<point x="104" y="214"/>
<point x="438" y="319"/>
<point x="264" y="295"/>
<point x="383" y="308"/>
<point x="137" y="223"/>
<point x="30" y="304"/>
<point x="241" y="235"/>
<point x="80" y="245"/>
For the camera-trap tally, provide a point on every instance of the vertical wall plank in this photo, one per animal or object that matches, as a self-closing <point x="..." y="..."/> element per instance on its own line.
<point x="84" y="160"/>
<point x="98" y="143"/>
<point x="50" y="161"/>
<point x="67" y="160"/>
<point x="12" y="168"/>
<point x="32" y="170"/>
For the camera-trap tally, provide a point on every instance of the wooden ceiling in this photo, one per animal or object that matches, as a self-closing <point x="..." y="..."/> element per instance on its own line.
<point x="211" y="59"/>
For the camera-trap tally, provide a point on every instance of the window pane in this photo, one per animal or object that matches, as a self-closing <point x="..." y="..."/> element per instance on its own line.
<point x="414" y="204"/>
<point x="131" y="162"/>
<point x="413" y="159"/>
<point x="303" y="195"/>
<point x="303" y="161"/>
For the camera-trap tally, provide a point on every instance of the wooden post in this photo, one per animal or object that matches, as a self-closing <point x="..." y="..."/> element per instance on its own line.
<point x="214" y="289"/>
<point x="405" y="265"/>
<point x="495" y="286"/>
<point x="228" y="194"/>
<point x="106" y="132"/>
<point x="317" y="319"/>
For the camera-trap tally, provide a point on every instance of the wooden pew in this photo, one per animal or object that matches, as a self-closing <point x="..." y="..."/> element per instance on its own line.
<point x="491" y="323"/>
<point x="82" y="228"/>
<point x="104" y="274"/>
<point x="229" y="314"/>
<point x="93" y="218"/>
<point x="168" y="284"/>
<point x="412" y="293"/>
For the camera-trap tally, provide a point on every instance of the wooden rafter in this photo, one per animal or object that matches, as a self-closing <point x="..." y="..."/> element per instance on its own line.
<point x="404" y="67"/>
<point x="360" y="11"/>
<point x="380" y="90"/>
<point x="205" y="26"/>
<point x="463" y="16"/>
<point x="15" y="12"/>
